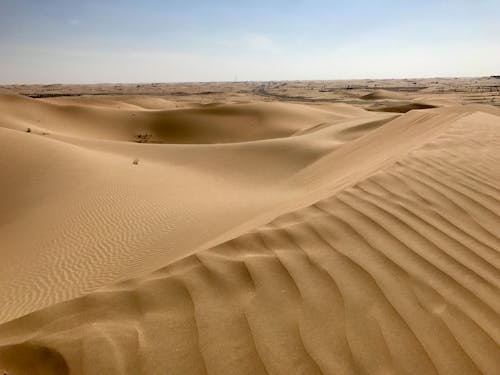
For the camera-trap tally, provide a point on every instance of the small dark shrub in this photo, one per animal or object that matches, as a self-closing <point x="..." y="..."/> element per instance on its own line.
<point x="143" y="137"/>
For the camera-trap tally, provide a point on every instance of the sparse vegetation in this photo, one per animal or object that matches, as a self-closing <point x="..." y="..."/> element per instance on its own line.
<point x="143" y="137"/>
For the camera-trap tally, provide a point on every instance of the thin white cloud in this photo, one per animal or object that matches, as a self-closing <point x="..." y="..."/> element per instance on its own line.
<point x="225" y="43"/>
<point x="260" y="42"/>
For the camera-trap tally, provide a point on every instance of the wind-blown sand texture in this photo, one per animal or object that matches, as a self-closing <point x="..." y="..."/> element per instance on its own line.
<point x="148" y="234"/>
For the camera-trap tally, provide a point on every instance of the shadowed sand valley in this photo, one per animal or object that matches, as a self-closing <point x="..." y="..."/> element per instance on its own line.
<point x="251" y="228"/>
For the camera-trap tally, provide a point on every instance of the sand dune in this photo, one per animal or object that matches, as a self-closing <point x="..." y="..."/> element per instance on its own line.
<point x="384" y="94"/>
<point x="126" y="218"/>
<point x="397" y="102"/>
<point x="131" y="102"/>
<point x="259" y="238"/>
<point x="209" y="124"/>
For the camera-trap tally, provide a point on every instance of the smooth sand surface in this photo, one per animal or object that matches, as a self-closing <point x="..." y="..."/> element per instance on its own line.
<point x="152" y="235"/>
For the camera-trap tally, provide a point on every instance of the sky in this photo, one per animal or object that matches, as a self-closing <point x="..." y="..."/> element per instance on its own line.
<point x="96" y="41"/>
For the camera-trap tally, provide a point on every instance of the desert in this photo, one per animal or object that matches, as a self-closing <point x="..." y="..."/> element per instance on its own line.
<point x="316" y="227"/>
<point x="265" y="187"/>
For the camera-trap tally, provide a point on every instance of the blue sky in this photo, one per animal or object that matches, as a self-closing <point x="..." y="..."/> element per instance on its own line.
<point x="90" y="41"/>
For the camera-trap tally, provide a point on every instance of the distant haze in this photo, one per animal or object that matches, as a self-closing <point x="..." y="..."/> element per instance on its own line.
<point x="91" y="41"/>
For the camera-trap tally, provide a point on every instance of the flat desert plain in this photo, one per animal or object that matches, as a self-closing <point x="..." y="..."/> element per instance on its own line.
<point x="323" y="227"/>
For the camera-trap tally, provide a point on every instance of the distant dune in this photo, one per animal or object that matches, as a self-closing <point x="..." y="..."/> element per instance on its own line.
<point x="384" y="94"/>
<point x="144" y="235"/>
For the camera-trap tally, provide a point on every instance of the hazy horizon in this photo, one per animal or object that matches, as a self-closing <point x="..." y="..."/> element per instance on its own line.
<point x="154" y="41"/>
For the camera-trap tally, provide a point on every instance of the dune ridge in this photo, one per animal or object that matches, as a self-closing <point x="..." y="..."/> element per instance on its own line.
<point x="368" y="244"/>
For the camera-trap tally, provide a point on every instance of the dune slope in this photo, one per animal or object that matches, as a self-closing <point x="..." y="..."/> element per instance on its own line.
<point x="368" y="244"/>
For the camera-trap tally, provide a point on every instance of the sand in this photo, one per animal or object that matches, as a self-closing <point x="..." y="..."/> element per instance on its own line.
<point x="250" y="233"/>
